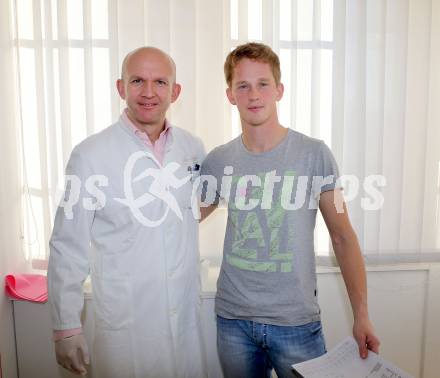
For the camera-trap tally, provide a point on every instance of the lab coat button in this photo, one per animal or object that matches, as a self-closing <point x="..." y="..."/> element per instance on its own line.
<point x="173" y="311"/>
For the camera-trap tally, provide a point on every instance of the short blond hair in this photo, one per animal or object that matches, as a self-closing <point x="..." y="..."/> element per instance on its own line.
<point x="254" y="51"/>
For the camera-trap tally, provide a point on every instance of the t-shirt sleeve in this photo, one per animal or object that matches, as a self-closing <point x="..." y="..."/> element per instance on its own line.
<point x="326" y="171"/>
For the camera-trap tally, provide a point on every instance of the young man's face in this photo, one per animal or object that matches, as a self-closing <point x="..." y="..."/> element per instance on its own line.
<point x="254" y="91"/>
<point x="148" y="87"/>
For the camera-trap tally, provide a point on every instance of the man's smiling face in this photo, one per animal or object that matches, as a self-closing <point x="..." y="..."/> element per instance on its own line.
<point x="148" y="87"/>
<point x="255" y="92"/>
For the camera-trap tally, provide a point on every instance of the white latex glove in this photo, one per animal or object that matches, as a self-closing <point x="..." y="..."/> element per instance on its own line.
<point x="72" y="353"/>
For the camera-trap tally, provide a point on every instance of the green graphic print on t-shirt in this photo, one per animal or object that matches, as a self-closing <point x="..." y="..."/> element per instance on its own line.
<point x="262" y="240"/>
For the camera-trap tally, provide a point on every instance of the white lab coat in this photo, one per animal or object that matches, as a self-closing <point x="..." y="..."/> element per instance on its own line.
<point x="145" y="280"/>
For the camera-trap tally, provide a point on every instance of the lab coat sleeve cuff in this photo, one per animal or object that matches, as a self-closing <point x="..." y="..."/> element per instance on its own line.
<point x="58" y="335"/>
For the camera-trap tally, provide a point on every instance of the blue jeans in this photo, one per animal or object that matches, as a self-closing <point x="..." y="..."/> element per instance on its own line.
<point x="251" y="350"/>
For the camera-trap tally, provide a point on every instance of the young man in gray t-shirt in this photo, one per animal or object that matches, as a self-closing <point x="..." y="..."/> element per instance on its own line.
<point x="273" y="180"/>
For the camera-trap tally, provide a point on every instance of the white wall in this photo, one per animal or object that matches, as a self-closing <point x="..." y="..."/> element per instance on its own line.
<point x="404" y="301"/>
<point x="401" y="300"/>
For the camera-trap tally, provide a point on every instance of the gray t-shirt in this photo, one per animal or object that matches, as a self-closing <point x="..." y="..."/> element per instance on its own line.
<point x="268" y="271"/>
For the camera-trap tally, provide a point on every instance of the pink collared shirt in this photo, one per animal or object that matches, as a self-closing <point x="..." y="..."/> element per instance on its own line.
<point x="158" y="148"/>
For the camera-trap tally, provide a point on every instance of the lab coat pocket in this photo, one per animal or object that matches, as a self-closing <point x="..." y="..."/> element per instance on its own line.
<point x="116" y="304"/>
<point x="115" y="228"/>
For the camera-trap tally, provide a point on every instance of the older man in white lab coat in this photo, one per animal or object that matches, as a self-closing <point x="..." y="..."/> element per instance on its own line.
<point x="127" y="219"/>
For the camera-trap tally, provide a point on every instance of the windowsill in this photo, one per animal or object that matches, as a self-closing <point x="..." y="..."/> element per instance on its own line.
<point x="210" y="268"/>
<point x="327" y="265"/>
<point x="375" y="259"/>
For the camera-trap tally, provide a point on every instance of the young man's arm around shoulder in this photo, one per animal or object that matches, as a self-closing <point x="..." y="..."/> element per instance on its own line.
<point x="349" y="257"/>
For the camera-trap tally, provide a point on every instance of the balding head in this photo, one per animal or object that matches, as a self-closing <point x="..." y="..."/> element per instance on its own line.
<point x="146" y="53"/>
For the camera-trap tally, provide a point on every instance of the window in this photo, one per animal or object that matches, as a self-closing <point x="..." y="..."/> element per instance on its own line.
<point x="362" y="76"/>
<point x="66" y="68"/>
<point x="357" y="75"/>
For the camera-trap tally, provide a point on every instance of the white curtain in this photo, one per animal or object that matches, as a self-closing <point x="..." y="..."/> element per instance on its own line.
<point x="67" y="59"/>
<point x="10" y="169"/>
<point x="11" y="251"/>
<point x="386" y="115"/>
<point x="194" y="33"/>
<point x="380" y="115"/>
<point x="359" y="74"/>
